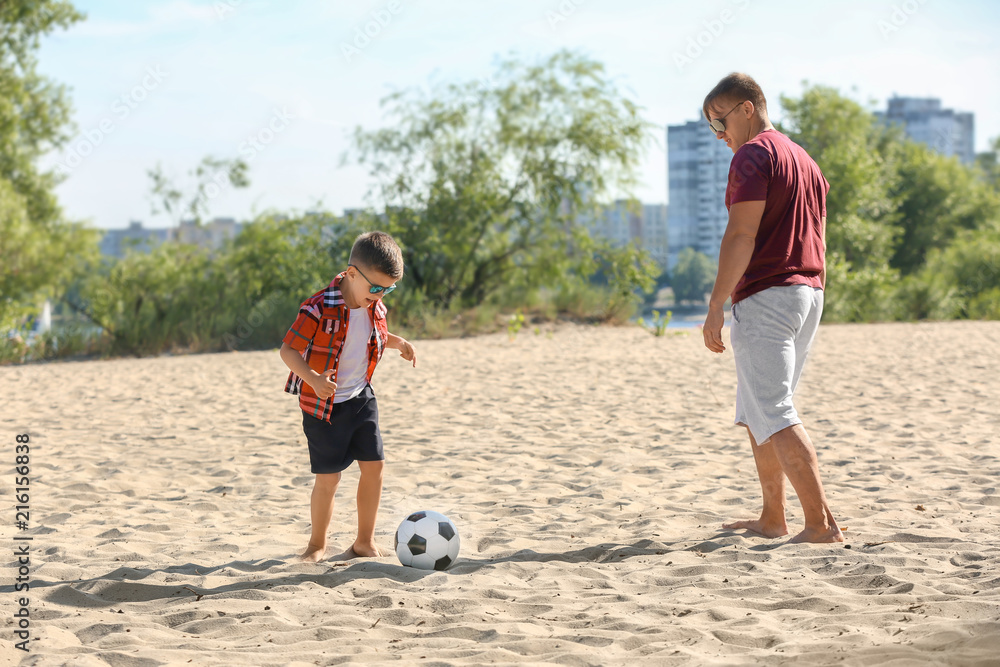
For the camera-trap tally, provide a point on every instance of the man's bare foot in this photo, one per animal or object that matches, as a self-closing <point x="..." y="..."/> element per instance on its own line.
<point x="366" y="550"/>
<point x="759" y="526"/>
<point x="819" y="536"/>
<point x="313" y="553"/>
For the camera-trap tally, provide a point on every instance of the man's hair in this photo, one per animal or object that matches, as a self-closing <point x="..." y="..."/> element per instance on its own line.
<point x="737" y="87"/>
<point x="378" y="250"/>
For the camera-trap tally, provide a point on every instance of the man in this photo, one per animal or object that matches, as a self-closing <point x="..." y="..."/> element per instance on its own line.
<point x="771" y="262"/>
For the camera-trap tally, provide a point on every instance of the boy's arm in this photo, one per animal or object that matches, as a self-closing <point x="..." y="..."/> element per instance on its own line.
<point x="405" y="347"/>
<point x="321" y="384"/>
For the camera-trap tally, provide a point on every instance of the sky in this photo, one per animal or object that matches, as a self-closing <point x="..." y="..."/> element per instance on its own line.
<point x="281" y="84"/>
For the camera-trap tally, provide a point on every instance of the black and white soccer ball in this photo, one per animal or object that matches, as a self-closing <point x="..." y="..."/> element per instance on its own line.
<point x="427" y="540"/>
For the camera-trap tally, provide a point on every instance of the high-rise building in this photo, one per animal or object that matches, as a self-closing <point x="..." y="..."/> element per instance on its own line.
<point x="620" y="224"/>
<point x="644" y="224"/>
<point x="698" y="170"/>
<point x="212" y="234"/>
<point x="654" y="232"/>
<point x="946" y="131"/>
<point x="116" y="242"/>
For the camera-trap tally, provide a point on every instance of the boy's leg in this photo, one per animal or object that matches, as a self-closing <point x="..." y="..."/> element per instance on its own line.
<point x="321" y="512"/>
<point x="369" y="497"/>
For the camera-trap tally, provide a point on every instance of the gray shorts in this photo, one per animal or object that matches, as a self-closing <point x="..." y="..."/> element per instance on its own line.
<point x="772" y="332"/>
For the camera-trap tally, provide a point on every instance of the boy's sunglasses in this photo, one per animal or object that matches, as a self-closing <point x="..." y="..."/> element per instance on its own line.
<point x="375" y="289"/>
<point x="717" y="125"/>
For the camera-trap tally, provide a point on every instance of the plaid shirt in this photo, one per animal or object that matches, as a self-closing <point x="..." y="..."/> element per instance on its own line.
<point x="319" y="333"/>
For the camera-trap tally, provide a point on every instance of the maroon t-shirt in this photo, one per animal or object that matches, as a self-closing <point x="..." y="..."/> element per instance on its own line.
<point x="789" y="249"/>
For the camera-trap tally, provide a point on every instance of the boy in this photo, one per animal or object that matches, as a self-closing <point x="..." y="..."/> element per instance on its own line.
<point x="332" y="350"/>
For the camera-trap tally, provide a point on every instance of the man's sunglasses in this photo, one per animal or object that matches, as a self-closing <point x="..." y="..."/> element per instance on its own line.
<point x="717" y="125"/>
<point x="375" y="289"/>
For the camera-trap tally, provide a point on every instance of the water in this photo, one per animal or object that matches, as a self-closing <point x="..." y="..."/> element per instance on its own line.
<point x="684" y="317"/>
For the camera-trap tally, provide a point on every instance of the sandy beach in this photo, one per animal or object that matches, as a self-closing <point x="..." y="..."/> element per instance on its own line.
<point x="588" y="469"/>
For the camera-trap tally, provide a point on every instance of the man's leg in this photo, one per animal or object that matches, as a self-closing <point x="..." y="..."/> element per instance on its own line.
<point x="795" y="453"/>
<point x="772" y="485"/>
<point x="321" y="512"/>
<point x="369" y="497"/>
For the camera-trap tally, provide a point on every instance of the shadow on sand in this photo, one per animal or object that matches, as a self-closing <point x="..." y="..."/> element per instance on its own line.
<point x="128" y="584"/>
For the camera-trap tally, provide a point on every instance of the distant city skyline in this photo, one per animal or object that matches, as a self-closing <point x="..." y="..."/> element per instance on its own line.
<point x="170" y="81"/>
<point x="925" y="120"/>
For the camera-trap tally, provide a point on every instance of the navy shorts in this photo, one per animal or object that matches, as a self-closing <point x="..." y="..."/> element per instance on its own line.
<point x="351" y="435"/>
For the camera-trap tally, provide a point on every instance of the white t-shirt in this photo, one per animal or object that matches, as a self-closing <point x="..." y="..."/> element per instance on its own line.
<point x="352" y="369"/>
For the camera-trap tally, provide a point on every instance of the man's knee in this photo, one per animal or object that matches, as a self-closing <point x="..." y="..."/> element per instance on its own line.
<point x="792" y="439"/>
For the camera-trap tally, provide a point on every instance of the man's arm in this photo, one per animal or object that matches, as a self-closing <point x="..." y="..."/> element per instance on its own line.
<point x="822" y="274"/>
<point x="734" y="257"/>
<point x="406" y="349"/>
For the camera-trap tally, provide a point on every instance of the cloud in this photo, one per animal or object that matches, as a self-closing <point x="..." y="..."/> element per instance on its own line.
<point x="170" y="16"/>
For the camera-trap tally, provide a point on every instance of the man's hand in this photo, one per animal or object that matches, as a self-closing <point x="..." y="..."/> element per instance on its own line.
<point x="712" y="329"/>
<point x="407" y="351"/>
<point x="323" y="385"/>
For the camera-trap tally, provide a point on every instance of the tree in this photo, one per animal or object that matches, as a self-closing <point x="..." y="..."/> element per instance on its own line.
<point x="694" y="275"/>
<point x="483" y="183"/>
<point x="40" y="249"/>
<point x="963" y="279"/>
<point x="210" y="177"/>
<point x="938" y="197"/>
<point x="989" y="164"/>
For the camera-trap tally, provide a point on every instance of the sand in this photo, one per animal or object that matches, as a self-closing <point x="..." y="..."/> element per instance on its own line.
<point x="588" y="469"/>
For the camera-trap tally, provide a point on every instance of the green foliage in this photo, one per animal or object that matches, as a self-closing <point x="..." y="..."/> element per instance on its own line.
<point x="483" y="183"/>
<point x="989" y="164"/>
<point x="41" y="251"/>
<point x="661" y="322"/>
<point x="963" y="279"/>
<point x="148" y="303"/>
<point x="693" y="277"/>
<point x="630" y="272"/>
<point x="514" y="324"/>
<point x="181" y="297"/>
<point x="865" y="294"/>
<point x="938" y="197"/>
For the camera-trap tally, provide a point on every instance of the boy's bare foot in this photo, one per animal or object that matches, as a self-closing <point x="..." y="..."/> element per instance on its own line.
<point x="759" y="526"/>
<point x="366" y="550"/>
<point x="819" y="536"/>
<point x="313" y="553"/>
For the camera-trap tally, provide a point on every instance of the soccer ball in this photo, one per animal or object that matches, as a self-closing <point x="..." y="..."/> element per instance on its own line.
<point x="427" y="540"/>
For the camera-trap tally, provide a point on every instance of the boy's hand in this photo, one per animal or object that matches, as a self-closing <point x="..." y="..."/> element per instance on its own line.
<point x="323" y="385"/>
<point x="407" y="351"/>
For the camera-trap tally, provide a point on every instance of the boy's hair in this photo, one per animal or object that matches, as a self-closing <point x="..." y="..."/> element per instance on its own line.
<point x="379" y="251"/>
<point x="737" y="87"/>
